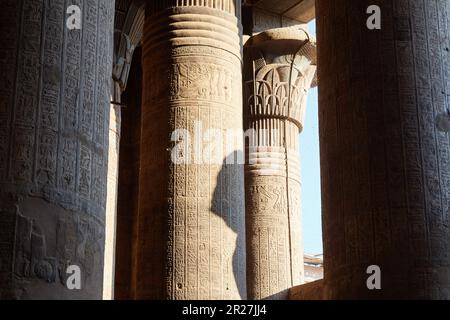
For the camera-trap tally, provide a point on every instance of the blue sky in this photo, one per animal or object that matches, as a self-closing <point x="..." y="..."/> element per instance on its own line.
<point x="310" y="164"/>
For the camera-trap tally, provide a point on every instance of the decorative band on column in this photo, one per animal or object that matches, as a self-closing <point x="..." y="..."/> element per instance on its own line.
<point x="192" y="26"/>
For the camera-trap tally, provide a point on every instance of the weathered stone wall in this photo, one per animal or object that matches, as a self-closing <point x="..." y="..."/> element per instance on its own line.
<point x="385" y="165"/>
<point x="54" y="113"/>
<point x="191" y="216"/>
<point x="310" y="291"/>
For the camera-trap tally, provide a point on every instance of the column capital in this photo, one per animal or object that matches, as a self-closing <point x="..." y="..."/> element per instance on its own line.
<point x="280" y="68"/>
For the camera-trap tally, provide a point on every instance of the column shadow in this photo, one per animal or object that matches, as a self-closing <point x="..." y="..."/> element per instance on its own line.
<point x="228" y="203"/>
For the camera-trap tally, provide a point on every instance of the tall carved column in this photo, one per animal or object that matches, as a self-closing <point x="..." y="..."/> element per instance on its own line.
<point x="279" y="69"/>
<point x="385" y="164"/>
<point x="191" y="212"/>
<point x="54" y="113"/>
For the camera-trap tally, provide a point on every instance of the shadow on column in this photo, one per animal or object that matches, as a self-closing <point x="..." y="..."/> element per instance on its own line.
<point x="228" y="204"/>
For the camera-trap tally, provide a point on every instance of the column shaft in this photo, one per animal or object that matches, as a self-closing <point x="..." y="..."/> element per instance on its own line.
<point x="191" y="213"/>
<point x="111" y="195"/>
<point x="385" y="164"/>
<point x="128" y="191"/>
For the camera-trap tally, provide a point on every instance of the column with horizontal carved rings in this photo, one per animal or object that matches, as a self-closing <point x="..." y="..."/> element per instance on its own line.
<point x="54" y="114"/>
<point x="191" y="213"/>
<point x="279" y="68"/>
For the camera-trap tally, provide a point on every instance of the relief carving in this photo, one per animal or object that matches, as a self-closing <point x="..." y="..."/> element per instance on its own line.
<point x="201" y="81"/>
<point x="279" y="68"/>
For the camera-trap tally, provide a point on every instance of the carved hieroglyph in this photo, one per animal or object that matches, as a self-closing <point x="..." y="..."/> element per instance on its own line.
<point x="279" y="68"/>
<point x="54" y="111"/>
<point x="385" y="164"/>
<point x="191" y="216"/>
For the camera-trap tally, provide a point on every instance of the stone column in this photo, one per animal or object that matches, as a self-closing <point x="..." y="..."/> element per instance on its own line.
<point x="129" y="23"/>
<point x="128" y="190"/>
<point x="385" y="164"/>
<point x="111" y="193"/>
<point x="279" y="69"/>
<point x="191" y="212"/>
<point x="54" y="113"/>
<point x="128" y="34"/>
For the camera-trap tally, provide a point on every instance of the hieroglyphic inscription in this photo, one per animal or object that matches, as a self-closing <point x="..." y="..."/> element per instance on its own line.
<point x="54" y="119"/>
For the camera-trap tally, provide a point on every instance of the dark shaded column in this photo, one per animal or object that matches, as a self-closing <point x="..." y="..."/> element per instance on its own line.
<point x="122" y="197"/>
<point x="191" y="211"/>
<point x="54" y="113"/>
<point x="385" y="164"/>
<point x="128" y="191"/>
<point x="279" y="69"/>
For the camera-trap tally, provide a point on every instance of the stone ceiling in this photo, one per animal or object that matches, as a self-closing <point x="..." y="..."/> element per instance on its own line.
<point x="299" y="10"/>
